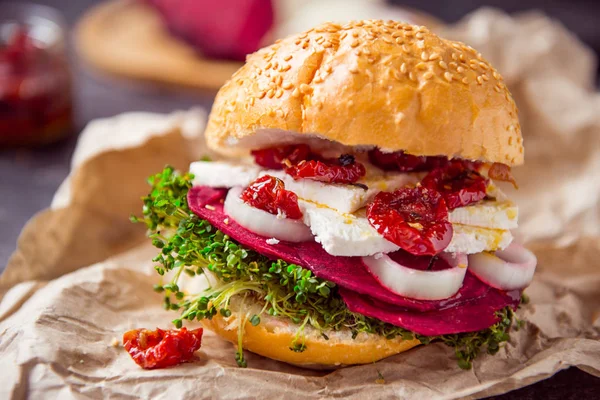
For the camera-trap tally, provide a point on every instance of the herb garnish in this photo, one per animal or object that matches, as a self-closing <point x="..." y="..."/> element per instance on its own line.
<point x="193" y="247"/>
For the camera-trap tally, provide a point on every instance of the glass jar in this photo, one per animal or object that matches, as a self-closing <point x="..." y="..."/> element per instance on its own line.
<point x="36" y="104"/>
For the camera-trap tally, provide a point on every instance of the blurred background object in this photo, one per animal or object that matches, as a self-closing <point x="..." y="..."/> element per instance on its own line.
<point x="35" y="80"/>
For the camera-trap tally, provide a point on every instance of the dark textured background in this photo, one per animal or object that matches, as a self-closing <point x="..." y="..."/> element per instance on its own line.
<point x="28" y="178"/>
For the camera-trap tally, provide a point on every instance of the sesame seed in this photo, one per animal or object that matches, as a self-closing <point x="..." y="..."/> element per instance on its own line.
<point x="483" y="65"/>
<point x="452" y="64"/>
<point x="405" y="49"/>
<point x="443" y="64"/>
<point x="421" y="44"/>
<point x="268" y="66"/>
<point x="424" y="56"/>
<point x="252" y="100"/>
<point x="497" y="89"/>
<point x="279" y="93"/>
<point x="343" y="36"/>
<point x="262" y="95"/>
<point x="355" y="34"/>
<point x="434" y="56"/>
<point x="209" y="207"/>
<point x="485" y="77"/>
<point x="396" y="75"/>
<point x="288" y="57"/>
<point x="278" y="80"/>
<point x="305" y="45"/>
<point x="428" y="75"/>
<point x="480" y="80"/>
<point x="271" y="93"/>
<point x="460" y="69"/>
<point x="297" y="42"/>
<point x="510" y="140"/>
<point x="421" y="65"/>
<point x="496" y="75"/>
<point x="305" y="89"/>
<point x="448" y="76"/>
<point x="353" y="69"/>
<point x="454" y="57"/>
<point x="419" y="35"/>
<point x="403" y="68"/>
<point x="409" y="34"/>
<point x="411" y="76"/>
<point x="387" y="40"/>
<point x="354" y="43"/>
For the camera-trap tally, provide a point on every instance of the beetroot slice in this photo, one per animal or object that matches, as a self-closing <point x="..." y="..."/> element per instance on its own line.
<point x="470" y="317"/>
<point x="347" y="272"/>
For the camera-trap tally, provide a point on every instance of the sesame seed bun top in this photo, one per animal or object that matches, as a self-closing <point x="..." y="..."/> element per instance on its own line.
<point x="370" y="83"/>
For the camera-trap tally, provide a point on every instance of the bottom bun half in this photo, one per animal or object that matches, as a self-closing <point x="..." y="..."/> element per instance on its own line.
<point x="273" y="337"/>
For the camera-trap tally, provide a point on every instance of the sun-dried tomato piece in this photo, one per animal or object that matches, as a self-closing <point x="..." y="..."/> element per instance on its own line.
<point x="460" y="186"/>
<point x="162" y="348"/>
<point x="416" y="219"/>
<point x="501" y="172"/>
<point x="344" y="169"/>
<point x="402" y="162"/>
<point x="268" y="194"/>
<point x="397" y="161"/>
<point x="274" y="157"/>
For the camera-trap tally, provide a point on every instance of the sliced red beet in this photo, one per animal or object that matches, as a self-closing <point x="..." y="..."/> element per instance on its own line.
<point x="469" y="317"/>
<point x="347" y="272"/>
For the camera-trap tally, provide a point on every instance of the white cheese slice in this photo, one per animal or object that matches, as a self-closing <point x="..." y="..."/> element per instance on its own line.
<point x="222" y="174"/>
<point x="344" y="198"/>
<point x="472" y="239"/>
<point x="344" y="234"/>
<point x="487" y="214"/>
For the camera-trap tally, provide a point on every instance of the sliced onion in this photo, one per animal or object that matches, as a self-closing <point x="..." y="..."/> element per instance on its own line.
<point x="419" y="284"/>
<point x="508" y="269"/>
<point x="263" y="223"/>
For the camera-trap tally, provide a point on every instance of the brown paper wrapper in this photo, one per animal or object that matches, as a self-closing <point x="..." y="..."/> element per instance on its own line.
<point x="82" y="274"/>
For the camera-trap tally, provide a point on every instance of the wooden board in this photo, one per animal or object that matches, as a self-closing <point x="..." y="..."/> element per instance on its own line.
<point x="127" y="38"/>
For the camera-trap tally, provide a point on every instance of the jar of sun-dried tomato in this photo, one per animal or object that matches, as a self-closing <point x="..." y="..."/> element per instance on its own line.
<point x="35" y="79"/>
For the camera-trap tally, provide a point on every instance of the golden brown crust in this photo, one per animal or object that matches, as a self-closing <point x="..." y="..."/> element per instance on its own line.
<point x="273" y="341"/>
<point x="374" y="83"/>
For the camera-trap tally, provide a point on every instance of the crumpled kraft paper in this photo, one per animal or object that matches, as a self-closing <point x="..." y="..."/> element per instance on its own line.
<point x="82" y="274"/>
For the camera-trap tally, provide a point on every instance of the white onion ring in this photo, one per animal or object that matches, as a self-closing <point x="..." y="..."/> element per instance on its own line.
<point x="263" y="223"/>
<point x="417" y="284"/>
<point x="508" y="269"/>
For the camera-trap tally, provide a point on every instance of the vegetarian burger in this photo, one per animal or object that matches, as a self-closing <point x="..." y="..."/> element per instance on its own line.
<point x="355" y="213"/>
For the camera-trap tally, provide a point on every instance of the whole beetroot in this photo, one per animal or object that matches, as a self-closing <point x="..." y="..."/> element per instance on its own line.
<point x="228" y="29"/>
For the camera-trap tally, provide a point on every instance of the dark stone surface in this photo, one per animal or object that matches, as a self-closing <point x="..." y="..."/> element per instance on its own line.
<point x="29" y="177"/>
